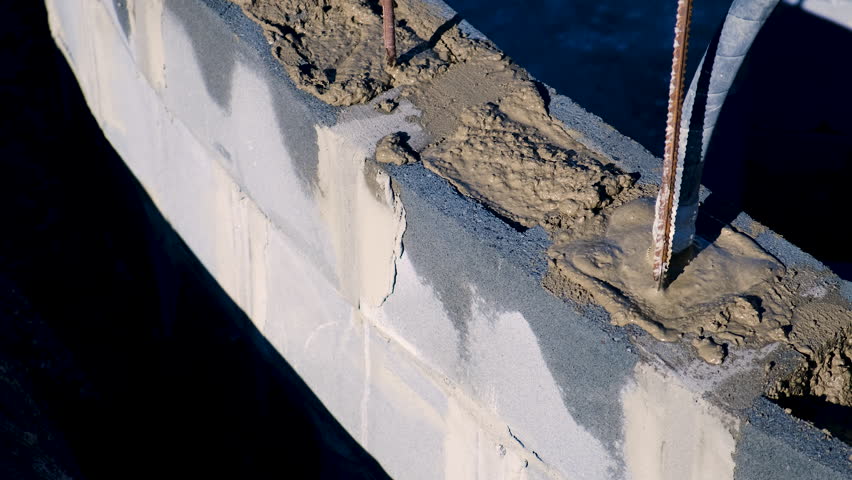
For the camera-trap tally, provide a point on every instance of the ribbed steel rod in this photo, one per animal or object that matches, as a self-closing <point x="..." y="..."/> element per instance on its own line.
<point x="389" y="23"/>
<point x="663" y="229"/>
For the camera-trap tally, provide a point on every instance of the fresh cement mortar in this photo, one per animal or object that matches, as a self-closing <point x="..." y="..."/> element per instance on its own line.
<point x="494" y="139"/>
<point x="523" y="250"/>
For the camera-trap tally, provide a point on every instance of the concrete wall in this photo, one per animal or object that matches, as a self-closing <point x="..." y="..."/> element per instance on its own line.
<point x="415" y="315"/>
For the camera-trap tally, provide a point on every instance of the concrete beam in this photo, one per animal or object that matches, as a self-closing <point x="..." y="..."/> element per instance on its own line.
<point x="414" y="314"/>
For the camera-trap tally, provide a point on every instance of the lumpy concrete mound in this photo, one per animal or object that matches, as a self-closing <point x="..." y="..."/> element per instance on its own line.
<point x="820" y="388"/>
<point x="730" y="293"/>
<point x="498" y="156"/>
<point x="709" y="297"/>
<point x="394" y="149"/>
<point x="333" y="48"/>
<point x="494" y="139"/>
<point x="828" y="375"/>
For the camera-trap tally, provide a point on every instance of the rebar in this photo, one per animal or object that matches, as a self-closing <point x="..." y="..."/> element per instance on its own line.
<point x="663" y="229"/>
<point x="389" y="24"/>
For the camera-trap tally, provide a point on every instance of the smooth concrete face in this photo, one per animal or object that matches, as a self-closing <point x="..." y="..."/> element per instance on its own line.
<point x="443" y="355"/>
<point x="670" y="435"/>
<point x="493" y="366"/>
<point x="366" y="219"/>
<point x="477" y="281"/>
<point x="245" y="136"/>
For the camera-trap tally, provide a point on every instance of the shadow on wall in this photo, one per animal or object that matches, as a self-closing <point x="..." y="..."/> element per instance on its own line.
<point x="120" y="356"/>
<point x="782" y="149"/>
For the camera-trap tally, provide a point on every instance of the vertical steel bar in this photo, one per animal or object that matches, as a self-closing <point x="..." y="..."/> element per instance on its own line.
<point x="663" y="229"/>
<point x="389" y="23"/>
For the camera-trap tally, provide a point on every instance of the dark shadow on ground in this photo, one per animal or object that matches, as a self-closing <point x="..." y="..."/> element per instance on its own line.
<point x="428" y="44"/>
<point x="120" y="356"/>
<point x="782" y="149"/>
<point x="837" y="419"/>
<point x="612" y="57"/>
<point x="782" y="152"/>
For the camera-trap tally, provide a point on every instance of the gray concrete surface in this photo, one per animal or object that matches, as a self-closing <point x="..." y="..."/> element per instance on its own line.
<point x="436" y="348"/>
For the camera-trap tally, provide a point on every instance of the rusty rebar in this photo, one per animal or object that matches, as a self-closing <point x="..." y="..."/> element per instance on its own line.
<point x="389" y="24"/>
<point x="663" y="229"/>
